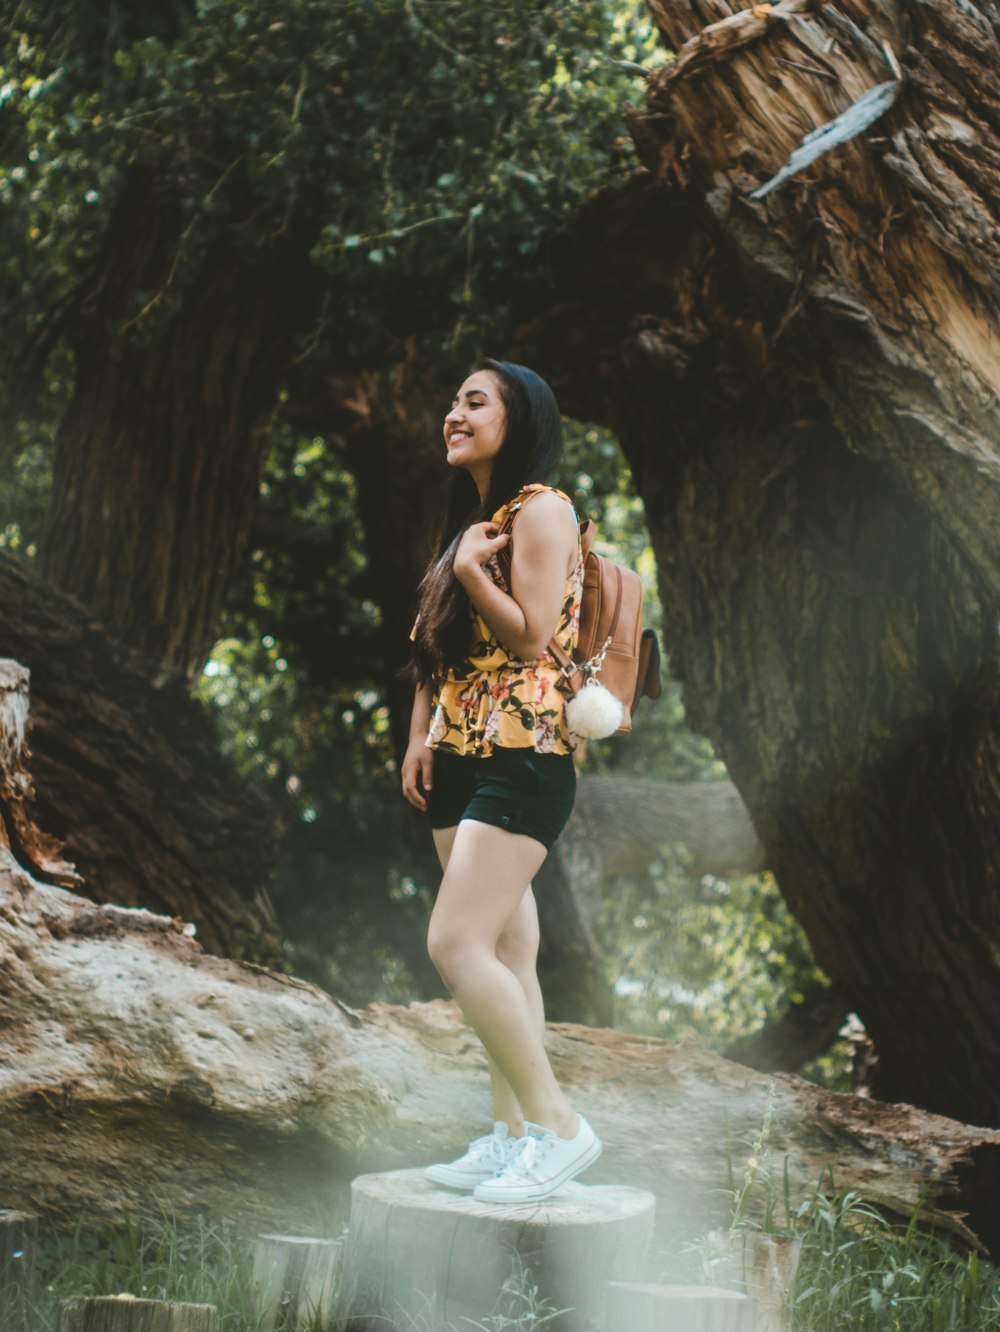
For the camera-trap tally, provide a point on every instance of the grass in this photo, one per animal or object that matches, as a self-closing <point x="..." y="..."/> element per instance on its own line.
<point x="860" y="1272"/>
<point x="206" y="1263"/>
<point x="857" y="1273"/>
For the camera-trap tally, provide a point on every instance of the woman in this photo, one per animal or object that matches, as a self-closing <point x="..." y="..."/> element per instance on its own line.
<point x="490" y="759"/>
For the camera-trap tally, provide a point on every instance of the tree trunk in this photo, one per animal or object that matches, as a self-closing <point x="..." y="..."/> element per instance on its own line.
<point x="804" y="1031"/>
<point x="390" y="424"/>
<point x="639" y="1306"/>
<point x="295" y="1281"/>
<point x="216" y="1086"/>
<point x="130" y="785"/>
<point x="570" y="960"/>
<point x="806" y="388"/>
<point x="158" y="458"/>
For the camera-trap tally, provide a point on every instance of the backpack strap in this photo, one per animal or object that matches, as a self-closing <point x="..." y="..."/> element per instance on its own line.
<point x="573" y="674"/>
<point x="504" y="557"/>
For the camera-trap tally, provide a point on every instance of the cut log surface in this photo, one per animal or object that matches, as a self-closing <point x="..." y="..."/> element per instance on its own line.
<point x="642" y="1307"/>
<point x="294" y="1280"/>
<point x="419" y="1251"/>
<point x="124" y="1313"/>
<point x="18" y="1244"/>
<point x="118" y="1034"/>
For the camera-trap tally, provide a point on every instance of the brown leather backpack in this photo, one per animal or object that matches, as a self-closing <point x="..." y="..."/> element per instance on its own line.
<point x="613" y="649"/>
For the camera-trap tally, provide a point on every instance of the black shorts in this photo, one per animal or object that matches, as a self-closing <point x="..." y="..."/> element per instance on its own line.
<point x="517" y="789"/>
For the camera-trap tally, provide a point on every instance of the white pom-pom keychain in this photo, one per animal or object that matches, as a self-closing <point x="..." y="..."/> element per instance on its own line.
<point x="593" y="712"/>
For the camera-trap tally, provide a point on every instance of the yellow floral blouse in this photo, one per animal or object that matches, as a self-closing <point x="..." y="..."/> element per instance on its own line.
<point x="496" y="698"/>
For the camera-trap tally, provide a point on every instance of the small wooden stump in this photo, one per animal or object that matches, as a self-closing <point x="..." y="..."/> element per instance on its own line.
<point x="124" y="1313"/>
<point x="640" y="1307"/>
<point x="18" y="1245"/>
<point x="294" y="1278"/>
<point x="764" y="1266"/>
<point x="420" y="1251"/>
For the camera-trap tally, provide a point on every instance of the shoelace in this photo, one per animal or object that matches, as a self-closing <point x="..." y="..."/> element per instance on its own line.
<point x="492" y="1147"/>
<point x="531" y="1151"/>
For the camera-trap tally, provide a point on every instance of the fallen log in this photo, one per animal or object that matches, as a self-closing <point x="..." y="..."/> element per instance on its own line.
<point x="129" y="1055"/>
<point x="128" y="773"/>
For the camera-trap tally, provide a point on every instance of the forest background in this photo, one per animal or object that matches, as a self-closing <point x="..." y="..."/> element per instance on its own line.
<point x="250" y="249"/>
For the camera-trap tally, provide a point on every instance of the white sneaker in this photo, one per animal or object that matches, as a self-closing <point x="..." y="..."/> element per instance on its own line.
<point x="542" y="1163"/>
<point x="485" y="1157"/>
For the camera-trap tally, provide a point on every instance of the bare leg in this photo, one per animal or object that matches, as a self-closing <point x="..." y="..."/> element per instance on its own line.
<point x="486" y="878"/>
<point x="517" y="948"/>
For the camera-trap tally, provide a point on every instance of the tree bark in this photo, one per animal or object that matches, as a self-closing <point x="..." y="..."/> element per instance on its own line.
<point x="390" y="424"/>
<point x="417" y="1253"/>
<point x="571" y="969"/>
<point x="119" y="1036"/>
<point x="805" y="385"/>
<point x="805" y="1031"/>
<point x="129" y="783"/>
<point x="158" y="458"/>
<point x="125" y="1313"/>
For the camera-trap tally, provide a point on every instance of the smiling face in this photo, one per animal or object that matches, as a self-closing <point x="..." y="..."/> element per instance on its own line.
<point x="474" y="428"/>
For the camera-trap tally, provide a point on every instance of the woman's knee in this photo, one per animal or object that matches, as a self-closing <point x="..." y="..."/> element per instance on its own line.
<point x="517" y="947"/>
<point x="448" y="948"/>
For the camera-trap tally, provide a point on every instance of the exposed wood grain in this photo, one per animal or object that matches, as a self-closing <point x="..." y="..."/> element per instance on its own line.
<point x="126" y="1313"/>
<point x="421" y="1251"/>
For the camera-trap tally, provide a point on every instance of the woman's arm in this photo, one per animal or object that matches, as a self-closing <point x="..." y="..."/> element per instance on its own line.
<point x="418" y="761"/>
<point x="524" y="621"/>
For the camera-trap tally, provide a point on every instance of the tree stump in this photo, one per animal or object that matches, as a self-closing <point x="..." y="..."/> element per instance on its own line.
<point x="641" y="1307"/>
<point x="18" y="1241"/>
<point x="419" y="1251"/>
<point x="294" y="1279"/>
<point x="761" y="1265"/>
<point x="124" y="1313"/>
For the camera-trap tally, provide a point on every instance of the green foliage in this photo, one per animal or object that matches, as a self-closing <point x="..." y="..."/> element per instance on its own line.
<point x="756" y="1171"/>
<point x="859" y="1270"/>
<point x="420" y="149"/>
<point x="716" y="957"/>
<point x="294" y="681"/>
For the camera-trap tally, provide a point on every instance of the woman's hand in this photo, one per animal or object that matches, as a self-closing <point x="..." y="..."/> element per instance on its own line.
<point x="478" y="544"/>
<point x="418" y="771"/>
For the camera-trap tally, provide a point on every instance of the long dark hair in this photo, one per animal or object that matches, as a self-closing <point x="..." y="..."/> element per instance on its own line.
<point x="531" y="451"/>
